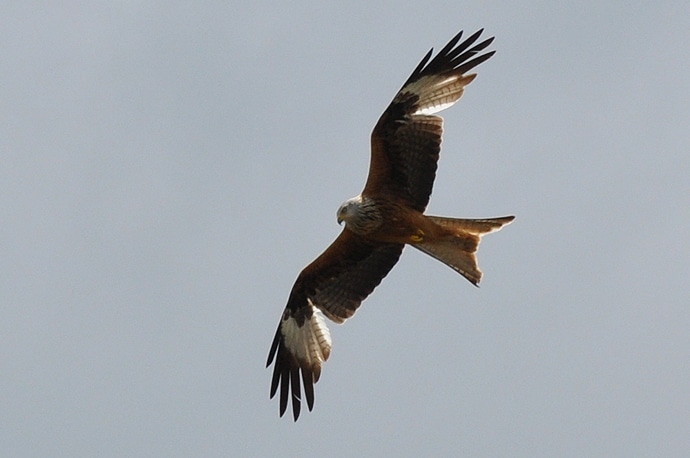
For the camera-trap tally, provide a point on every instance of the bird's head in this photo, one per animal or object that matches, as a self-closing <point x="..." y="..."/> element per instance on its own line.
<point x="349" y="209"/>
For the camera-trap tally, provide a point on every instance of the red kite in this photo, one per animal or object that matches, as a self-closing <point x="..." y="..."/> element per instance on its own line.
<point x="388" y="214"/>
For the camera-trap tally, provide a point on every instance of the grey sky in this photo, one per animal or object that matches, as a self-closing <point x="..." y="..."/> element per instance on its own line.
<point x="169" y="169"/>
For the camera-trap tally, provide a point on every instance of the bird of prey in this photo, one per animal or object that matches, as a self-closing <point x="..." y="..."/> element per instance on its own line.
<point x="379" y="222"/>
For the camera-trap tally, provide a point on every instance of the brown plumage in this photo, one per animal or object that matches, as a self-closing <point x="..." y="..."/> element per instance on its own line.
<point x="388" y="214"/>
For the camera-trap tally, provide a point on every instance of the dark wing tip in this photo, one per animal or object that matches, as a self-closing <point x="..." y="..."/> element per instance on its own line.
<point x="453" y="57"/>
<point x="286" y="375"/>
<point x="469" y="65"/>
<point x="308" y="383"/>
<point x="453" y="41"/>
<point x="274" y="348"/>
<point x="422" y="63"/>
<point x="296" y="395"/>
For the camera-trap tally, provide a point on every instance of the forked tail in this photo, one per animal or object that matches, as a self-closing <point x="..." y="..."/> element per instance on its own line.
<point x="457" y="246"/>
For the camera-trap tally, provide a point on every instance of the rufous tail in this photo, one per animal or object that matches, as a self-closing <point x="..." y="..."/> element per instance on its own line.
<point x="457" y="247"/>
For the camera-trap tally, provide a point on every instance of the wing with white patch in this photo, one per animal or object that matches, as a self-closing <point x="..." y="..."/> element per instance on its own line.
<point x="301" y="344"/>
<point x="334" y="285"/>
<point x="406" y="141"/>
<point x="440" y="83"/>
<point x="437" y="92"/>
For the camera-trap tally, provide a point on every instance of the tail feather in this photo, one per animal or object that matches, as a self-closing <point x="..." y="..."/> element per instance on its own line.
<point x="473" y="226"/>
<point x="458" y="246"/>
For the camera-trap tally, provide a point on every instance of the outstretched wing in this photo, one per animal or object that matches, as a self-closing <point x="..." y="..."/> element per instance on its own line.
<point x="334" y="285"/>
<point x="406" y="141"/>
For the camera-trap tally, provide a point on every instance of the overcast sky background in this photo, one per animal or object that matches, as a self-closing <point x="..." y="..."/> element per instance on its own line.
<point x="168" y="168"/>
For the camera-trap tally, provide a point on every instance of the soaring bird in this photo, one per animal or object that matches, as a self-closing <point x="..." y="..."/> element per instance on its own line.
<point x="379" y="222"/>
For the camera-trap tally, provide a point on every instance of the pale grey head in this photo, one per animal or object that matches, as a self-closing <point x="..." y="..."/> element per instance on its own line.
<point x="360" y="215"/>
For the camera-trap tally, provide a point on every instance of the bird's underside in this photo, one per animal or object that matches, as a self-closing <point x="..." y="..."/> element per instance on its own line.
<point x="386" y="216"/>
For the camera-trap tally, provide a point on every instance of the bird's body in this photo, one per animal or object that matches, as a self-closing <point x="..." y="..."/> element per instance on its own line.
<point x="381" y="219"/>
<point x="385" y="220"/>
<point x="386" y="216"/>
